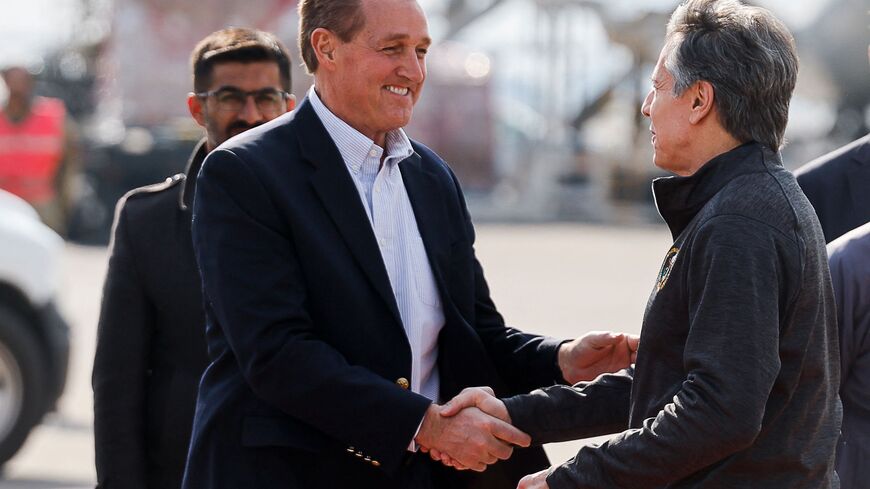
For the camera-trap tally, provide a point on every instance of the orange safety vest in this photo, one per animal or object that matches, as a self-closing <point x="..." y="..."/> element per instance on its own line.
<point x="31" y="151"/>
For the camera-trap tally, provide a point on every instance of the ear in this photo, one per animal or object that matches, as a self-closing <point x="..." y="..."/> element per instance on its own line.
<point x="702" y="94"/>
<point x="291" y="102"/>
<point x="194" y="105"/>
<point x="324" y="43"/>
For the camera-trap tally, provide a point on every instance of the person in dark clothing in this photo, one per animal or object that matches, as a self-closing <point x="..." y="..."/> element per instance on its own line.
<point x="343" y="297"/>
<point x="736" y="378"/>
<point x="849" y="258"/>
<point x="151" y="348"/>
<point x="838" y="186"/>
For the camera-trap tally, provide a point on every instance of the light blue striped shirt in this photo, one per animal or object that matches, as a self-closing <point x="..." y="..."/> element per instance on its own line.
<point x="386" y="202"/>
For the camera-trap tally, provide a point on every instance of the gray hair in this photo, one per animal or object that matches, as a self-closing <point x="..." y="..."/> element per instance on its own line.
<point x="748" y="56"/>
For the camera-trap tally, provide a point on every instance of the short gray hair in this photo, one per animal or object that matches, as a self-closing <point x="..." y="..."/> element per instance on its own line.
<point x="749" y="57"/>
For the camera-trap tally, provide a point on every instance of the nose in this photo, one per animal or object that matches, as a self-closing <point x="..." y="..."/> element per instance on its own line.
<point x="413" y="67"/>
<point x="250" y="113"/>
<point x="644" y="109"/>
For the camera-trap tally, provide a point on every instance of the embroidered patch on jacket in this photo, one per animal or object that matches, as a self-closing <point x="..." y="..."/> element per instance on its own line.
<point x="667" y="266"/>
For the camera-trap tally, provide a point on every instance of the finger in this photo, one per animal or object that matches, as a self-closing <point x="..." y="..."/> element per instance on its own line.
<point x="494" y="407"/>
<point x="525" y="482"/>
<point x="633" y="341"/>
<point x="501" y="451"/>
<point x="509" y="434"/>
<point x="467" y="398"/>
<point x="488" y="390"/>
<point x="596" y="340"/>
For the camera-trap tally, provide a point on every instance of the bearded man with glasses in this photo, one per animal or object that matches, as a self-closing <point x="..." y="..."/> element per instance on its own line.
<point x="151" y="345"/>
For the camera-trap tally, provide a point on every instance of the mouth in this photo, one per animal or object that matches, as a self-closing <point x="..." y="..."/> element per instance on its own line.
<point x="397" y="90"/>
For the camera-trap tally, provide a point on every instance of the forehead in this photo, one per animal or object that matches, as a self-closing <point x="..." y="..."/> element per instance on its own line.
<point x="247" y="76"/>
<point x="660" y="73"/>
<point x="394" y="19"/>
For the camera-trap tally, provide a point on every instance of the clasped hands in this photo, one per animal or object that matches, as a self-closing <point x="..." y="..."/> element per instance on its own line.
<point x="474" y="429"/>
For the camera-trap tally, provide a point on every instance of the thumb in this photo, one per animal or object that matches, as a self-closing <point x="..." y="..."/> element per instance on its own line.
<point x="601" y="339"/>
<point x="469" y="397"/>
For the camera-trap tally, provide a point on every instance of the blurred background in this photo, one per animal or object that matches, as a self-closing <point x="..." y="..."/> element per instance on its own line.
<point x="534" y="103"/>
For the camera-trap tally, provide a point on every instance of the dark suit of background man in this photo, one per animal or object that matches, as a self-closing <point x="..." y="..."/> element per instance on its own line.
<point x="838" y="186"/>
<point x="341" y="288"/>
<point x="151" y="347"/>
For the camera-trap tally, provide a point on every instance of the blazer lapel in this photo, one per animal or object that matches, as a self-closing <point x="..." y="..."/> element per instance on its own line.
<point x="339" y="196"/>
<point x="422" y="186"/>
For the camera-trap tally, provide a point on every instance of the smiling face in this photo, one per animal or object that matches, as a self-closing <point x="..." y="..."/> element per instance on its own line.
<point x="373" y="81"/>
<point x="669" y="115"/>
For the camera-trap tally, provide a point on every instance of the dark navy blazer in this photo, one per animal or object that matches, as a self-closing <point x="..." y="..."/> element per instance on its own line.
<point x="303" y="331"/>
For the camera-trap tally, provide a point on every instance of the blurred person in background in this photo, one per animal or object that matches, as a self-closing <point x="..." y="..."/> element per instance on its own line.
<point x="838" y="186"/>
<point x="737" y="369"/>
<point x="850" y="273"/>
<point x="38" y="149"/>
<point x="151" y="345"/>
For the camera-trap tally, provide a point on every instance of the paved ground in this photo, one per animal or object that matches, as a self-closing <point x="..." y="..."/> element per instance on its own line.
<point x="562" y="280"/>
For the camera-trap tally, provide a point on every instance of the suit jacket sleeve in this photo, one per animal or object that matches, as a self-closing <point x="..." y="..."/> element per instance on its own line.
<point x="121" y="368"/>
<point x="255" y="293"/>
<point x="561" y="413"/>
<point x="524" y="361"/>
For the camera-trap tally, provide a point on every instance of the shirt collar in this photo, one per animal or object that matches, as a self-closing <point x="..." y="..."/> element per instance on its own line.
<point x="352" y="144"/>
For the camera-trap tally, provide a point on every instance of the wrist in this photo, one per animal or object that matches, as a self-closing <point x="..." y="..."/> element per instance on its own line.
<point x="427" y="426"/>
<point x="562" y="360"/>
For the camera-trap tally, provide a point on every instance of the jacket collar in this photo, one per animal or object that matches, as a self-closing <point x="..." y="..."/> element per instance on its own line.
<point x="185" y="200"/>
<point x="679" y="199"/>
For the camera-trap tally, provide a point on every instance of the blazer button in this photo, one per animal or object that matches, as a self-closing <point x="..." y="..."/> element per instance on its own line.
<point x="403" y="383"/>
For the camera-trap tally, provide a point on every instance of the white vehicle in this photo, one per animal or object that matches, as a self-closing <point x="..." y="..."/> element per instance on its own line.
<point x="34" y="339"/>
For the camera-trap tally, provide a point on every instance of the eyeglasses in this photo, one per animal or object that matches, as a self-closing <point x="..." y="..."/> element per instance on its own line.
<point x="268" y="100"/>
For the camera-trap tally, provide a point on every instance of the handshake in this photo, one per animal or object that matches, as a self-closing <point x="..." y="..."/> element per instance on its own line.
<point x="471" y="431"/>
<point x="474" y="429"/>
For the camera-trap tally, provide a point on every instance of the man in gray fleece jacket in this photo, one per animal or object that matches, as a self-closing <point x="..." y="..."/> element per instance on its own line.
<point x="735" y="384"/>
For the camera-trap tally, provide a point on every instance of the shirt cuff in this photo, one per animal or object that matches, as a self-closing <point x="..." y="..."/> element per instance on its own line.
<point x="413" y="447"/>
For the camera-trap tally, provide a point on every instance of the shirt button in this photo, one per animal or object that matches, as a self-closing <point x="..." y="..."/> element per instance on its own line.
<point x="373" y="153"/>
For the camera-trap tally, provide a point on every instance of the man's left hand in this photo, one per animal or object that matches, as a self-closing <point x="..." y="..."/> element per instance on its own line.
<point x="596" y="353"/>
<point x="534" y="481"/>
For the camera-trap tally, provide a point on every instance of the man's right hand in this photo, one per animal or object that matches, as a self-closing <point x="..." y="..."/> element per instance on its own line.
<point x="471" y="438"/>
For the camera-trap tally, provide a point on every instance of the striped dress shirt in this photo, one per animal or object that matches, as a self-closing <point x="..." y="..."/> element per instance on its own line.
<point x="391" y="216"/>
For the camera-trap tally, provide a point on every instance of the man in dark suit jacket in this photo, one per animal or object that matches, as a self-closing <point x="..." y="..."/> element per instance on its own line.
<point x="151" y="347"/>
<point x="343" y="297"/>
<point x="838" y="186"/>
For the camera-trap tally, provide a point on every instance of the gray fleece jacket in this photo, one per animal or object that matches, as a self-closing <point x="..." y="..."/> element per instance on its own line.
<point x="737" y="372"/>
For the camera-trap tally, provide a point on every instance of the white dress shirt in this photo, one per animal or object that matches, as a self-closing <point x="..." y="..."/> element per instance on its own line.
<point x="391" y="216"/>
